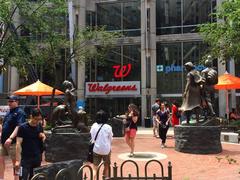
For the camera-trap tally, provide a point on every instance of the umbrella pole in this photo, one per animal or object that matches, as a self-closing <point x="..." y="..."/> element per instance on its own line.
<point x="38" y="102"/>
<point x="227" y="107"/>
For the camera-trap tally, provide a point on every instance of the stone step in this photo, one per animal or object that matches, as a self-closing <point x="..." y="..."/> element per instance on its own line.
<point x="230" y="137"/>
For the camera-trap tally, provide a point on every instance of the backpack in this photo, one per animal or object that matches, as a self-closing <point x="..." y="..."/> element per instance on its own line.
<point x="212" y="77"/>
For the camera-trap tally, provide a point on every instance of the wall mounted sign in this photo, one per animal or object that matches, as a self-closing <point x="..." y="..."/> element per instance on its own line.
<point x="115" y="88"/>
<point x="122" y="71"/>
<point x="176" y="68"/>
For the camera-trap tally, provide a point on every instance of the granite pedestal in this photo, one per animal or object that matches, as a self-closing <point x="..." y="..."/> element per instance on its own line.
<point x="198" y="139"/>
<point x="64" y="146"/>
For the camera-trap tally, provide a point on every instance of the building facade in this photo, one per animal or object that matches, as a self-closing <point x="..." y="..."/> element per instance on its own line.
<point x="160" y="36"/>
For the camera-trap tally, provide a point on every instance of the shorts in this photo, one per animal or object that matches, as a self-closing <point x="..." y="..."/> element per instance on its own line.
<point x="11" y="151"/>
<point x="131" y="133"/>
<point x="97" y="159"/>
<point x="155" y="123"/>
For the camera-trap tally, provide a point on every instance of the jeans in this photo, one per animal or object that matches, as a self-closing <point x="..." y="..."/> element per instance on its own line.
<point x="163" y="133"/>
<point x="28" y="164"/>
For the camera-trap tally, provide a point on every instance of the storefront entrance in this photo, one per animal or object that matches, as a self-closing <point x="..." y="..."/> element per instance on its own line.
<point x="114" y="106"/>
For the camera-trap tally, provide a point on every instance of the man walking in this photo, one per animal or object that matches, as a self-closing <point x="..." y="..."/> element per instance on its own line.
<point x="29" y="146"/>
<point x="13" y="119"/>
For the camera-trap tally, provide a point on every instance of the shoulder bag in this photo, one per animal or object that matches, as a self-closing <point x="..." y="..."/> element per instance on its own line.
<point x="91" y="146"/>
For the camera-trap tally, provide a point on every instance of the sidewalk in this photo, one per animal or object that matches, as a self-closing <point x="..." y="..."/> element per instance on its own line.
<point x="184" y="166"/>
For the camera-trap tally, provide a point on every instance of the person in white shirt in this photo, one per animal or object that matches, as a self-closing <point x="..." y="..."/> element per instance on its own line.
<point x="102" y="146"/>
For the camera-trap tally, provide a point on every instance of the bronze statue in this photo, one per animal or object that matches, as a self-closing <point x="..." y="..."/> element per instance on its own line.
<point x="210" y="77"/>
<point x="67" y="115"/>
<point x="192" y="96"/>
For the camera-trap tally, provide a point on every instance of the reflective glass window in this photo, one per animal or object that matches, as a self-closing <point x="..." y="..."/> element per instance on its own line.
<point x="169" y="69"/>
<point x="168" y="16"/>
<point x="182" y="16"/>
<point x="105" y="68"/>
<point x="132" y="18"/>
<point x="97" y="70"/>
<point x="196" y="12"/>
<point x="171" y="74"/>
<point x="90" y="18"/>
<point x="120" y="16"/>
<point x="132" y="55"/>
<point x="109" y="15"/>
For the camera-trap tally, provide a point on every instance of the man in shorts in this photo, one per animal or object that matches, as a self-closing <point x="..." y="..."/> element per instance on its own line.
<point x="13" y="119"/>
<point x="155" y="107"/>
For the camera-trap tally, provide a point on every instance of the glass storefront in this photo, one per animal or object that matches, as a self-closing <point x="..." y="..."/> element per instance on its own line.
<point x="171" y="58"/>
<point x="182" y="16"/>
<point x="104" y="72"/>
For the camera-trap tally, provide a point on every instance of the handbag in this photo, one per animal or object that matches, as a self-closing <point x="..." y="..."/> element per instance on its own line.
<point x="91" y="146"/>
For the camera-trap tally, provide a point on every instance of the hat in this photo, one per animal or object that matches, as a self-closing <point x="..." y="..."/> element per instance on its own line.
<point x="13" y="97"/>
<point x="189" y="64"/>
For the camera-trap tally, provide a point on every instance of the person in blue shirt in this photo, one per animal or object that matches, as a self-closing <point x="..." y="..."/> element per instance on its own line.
<point x="29" y="147"/>
<point x="13" y="119"/>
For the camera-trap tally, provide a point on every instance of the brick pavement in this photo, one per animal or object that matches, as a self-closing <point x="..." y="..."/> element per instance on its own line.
<point x="185" y="166"/>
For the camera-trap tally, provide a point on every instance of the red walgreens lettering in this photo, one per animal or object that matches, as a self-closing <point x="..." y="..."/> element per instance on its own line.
<point x="94" y="87"/>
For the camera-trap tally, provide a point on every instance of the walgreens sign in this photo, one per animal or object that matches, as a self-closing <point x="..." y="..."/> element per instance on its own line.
<point x="112" y="88"/>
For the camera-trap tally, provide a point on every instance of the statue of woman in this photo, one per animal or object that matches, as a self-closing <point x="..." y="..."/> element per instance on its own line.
<point x="192" y="94"/>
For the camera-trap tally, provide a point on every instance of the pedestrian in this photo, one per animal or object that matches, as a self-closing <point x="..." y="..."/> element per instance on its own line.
<point x="29" y="147"/>
<point x="131" y="127"/>
<point x="155" y="107"/>
<point x="175" y="114"/>
<point x="11" y="122"/>
<point x="102" y="144"/>
<point x="163" y="120"/>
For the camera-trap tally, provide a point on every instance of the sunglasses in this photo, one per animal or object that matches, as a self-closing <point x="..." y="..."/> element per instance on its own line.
<point x="10" y="101"/>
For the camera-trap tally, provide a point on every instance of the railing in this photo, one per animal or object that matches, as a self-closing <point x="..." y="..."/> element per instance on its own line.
<point x="86" y="172"/>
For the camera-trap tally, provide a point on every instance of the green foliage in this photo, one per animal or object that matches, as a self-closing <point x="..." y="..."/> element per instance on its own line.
<point x="223" y="36"/>
<point x="44" y="36"/>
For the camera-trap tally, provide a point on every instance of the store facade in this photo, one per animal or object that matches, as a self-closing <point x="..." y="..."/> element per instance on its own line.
<point x="159" y="38"/>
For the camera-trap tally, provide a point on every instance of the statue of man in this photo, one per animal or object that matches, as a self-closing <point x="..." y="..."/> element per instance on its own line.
<point x="70" y="97"/>
<point x="192" y="96"/>
<point x="210" y="77"/>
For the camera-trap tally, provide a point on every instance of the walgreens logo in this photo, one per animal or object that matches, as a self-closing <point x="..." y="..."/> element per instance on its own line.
<point x="112" y="88"/>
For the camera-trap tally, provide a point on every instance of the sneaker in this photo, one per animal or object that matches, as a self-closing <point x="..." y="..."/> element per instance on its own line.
<point x="131" y="155"/>
<point x="163" y="145"/>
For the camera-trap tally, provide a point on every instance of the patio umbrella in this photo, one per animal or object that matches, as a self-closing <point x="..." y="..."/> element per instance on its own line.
<point x="227" y="82"/>
<point x="37" y="89"/>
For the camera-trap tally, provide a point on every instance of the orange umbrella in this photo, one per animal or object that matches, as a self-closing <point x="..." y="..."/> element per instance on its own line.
<point x="227" y="82"/>
<point x="37" y="89"/>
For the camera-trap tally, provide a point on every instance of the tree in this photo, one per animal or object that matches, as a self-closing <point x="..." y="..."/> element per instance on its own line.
<point x="34" y="38"/>
<point x="223" y="36"/>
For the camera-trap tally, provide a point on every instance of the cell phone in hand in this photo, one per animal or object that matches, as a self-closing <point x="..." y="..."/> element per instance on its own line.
<point x="17" y="171"/>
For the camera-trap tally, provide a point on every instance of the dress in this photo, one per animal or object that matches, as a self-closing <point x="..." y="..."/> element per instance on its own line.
<point x="192" y="95"/>
<point x="175" y="119"/>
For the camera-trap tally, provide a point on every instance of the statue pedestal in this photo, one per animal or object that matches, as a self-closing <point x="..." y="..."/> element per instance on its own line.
<point x="64" y="146"/>
<point x="198" y="139"/>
